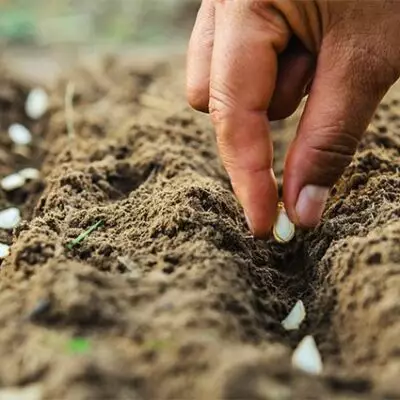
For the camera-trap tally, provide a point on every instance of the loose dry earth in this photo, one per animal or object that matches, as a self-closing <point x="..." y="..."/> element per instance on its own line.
<point x="171" y="298"/>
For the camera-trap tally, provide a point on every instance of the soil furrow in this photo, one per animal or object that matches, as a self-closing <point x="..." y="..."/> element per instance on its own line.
<point x="170" y="296"/>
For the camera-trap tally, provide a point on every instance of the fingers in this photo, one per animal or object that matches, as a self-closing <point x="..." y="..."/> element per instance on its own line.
<point x="199" y="57"/>
<point x="347" y="88"/>
<point x="296" y="68"/>
<point x="243" y="74"/>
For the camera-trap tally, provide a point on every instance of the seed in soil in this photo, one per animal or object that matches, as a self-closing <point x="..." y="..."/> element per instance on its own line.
<point x="4" y="250"/>
<point x="83" y="235"/>
<point x="31" y="174"/>
<point x="31" y="392"/>
<point x="37" y="103"/>
<point x="12" y="182"/>
<point x="19" y="134"/>
<point x="283" y="230"/>
<point x="10" y="218"/>
<point x="306" y="356"/>
<point x="295" y="317"/>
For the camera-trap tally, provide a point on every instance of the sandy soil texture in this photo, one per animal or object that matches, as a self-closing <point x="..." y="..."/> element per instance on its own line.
<point x="170" y="297"/>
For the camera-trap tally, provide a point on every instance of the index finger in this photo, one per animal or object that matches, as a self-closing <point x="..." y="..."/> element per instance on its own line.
<point x="248" y="36"/>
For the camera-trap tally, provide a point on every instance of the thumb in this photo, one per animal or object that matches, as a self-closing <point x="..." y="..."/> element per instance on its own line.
<point x="349" y="83"/>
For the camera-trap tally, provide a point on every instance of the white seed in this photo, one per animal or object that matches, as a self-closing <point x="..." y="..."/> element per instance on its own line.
<point x="283" y="228"/>
<point x="295" y="317"/>
<point x="10" y="218"/>
<point x="30" y="173"/>
<point x="31" y="392"/>
<point x="4" y="250"/>
<point x="12" y="182"/>
<point x="19" y="134"/>
<point x="306" y="356"/>
<point x="37" y="103"/>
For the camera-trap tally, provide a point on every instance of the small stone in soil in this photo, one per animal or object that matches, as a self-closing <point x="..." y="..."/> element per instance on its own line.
<point x="30" y="173"/>
<point x="10" y="218"/>
<point x="37" y="103"/>
<point x="12" y="182"/>
<point x="19" y="134"/>
<point x="295" y="317"/>
<point x="4" y="250"/>
<point x="306" y="356"/>
<point x="22" y="150"/>
<point x="41" y="307"/>
<point x="131" y="266"/>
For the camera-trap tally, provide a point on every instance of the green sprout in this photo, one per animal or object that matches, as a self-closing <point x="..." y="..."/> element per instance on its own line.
<point x="79" y="346"/>
<point x="83" y="235"/>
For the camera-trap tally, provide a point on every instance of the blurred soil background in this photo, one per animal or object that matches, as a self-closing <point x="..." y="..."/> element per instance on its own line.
<point x="43" y="37"/>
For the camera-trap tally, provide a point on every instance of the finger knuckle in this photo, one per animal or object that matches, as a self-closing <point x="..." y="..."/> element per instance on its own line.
<point x="272" y="19"/>
<point x="330" y="152"/>
<point x="220" y="105"/>
<point x="268" y="15"/>
<point x="333" y="139"/>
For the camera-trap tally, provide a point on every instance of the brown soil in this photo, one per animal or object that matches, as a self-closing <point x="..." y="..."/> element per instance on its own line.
<point x="171" y="298"/>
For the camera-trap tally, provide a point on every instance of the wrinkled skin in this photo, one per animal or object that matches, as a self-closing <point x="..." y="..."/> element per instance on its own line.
<point x="253" y="61"/>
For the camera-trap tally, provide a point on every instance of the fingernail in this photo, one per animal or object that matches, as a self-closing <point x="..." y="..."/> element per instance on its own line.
<point x="310" y="204"/>
<point x="248" y="222"/>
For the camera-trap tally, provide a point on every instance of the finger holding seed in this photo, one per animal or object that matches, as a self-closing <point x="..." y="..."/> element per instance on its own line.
<point x="251" y="61"/>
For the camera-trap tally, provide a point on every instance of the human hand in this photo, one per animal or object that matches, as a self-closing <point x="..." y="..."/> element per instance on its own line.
<point x="251" y="61"/>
